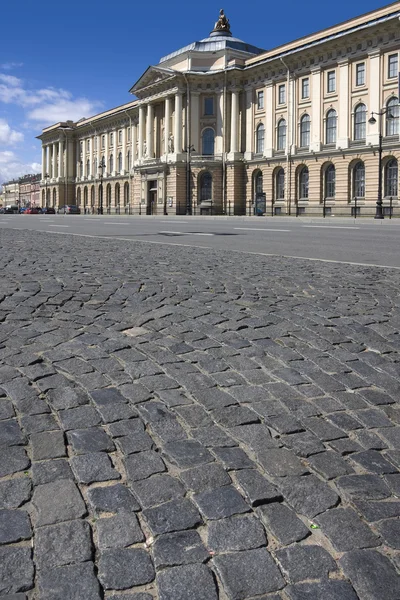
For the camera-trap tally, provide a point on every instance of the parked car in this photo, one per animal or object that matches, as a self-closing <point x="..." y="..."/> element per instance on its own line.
<point x="70" y="209"/>
<point x="48" y="210"/>
<point x="11" y="210"/>
<point x="34" y="210"/>
<point x="23" y="210"/>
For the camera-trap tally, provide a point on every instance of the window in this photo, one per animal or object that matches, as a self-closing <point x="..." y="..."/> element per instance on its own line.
<point x="120" y="137"/>
<point x="393" y="66"/>
<point x="281" y="135"/>
<point x="209" y="106"/>
<point x="81" y="146"/>
<point x="330" y="182"/>
<point x="128" y="160"/>
<point x="103" y="141"/>
<point x="331" y="82"/>
<point x="359" y="180"/>
<point x="111" y="139"/>
<point x="95" y="142"/>
<point x="258" y="183"/>
<point x="280" y="185"/>
<point x="303" y="184"/>
<point x="208" y="142"/>
<point x="88" y="145"/>
<point x="205" y="186"/>
<point x="331" y="127"/>
<point x="129" y="134"/>
<point x="305" y="131"/>
<point x="360" y="74"/>
<point x="305" y="88"/>
<point x="260" y="136"/>
<point x="120" y="162"/>
<point x="391" y="178"/>
<point x="360" y="118"/>
<point x="88" y="168"/>
<point x="392" y="117"/>
<point x="126" y="194"/>
<point x="260" y="100"/>
<point x="282" y="94"/>
<point x="111" y="163"/>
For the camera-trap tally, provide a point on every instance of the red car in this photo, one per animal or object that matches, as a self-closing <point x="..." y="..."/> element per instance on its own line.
<point x="35" y="210"/>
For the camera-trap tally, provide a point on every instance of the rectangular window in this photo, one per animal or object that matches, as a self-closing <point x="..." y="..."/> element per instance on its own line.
<point x="360" y="74"/>
<point x="103" y="141"/>
<point x="282" y="94"/>
<point x="88" y="145"/>
<point x="305" y="88"/>
<point x="331" y="82"/>
<point x="260" y="100"/>
<point x="95" y="142"/>
<point x="119" y="137"/>
<point x="393" y="66"/>
<point x="129" y="134"/>
<point x="209" y="106"/>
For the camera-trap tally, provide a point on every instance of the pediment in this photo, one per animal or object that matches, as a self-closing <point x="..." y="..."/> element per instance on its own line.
<point x="153" y="77"/>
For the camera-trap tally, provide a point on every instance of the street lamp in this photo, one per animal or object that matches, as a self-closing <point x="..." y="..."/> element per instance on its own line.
<point x="384" y="111"/>
<point x="188" y="151"/>
<point x="46" y="177"/>
<point x="102" y="166"/>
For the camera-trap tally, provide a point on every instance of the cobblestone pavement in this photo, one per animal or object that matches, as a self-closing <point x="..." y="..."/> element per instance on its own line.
<point x="184" y="424"/>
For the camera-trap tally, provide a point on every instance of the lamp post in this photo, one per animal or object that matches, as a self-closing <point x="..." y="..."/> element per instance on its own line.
<point x="384" y="111"/>
<point x="102" y="166"/>
<point x="188" y="151"/>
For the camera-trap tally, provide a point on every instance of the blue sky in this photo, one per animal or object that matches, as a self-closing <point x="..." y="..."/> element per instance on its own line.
<point x="61" y="60"/>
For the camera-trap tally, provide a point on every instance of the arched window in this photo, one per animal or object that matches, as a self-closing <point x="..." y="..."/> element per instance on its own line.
<point x="108" y="198"/>
<point x="85" y="197"/>
<point x="80" y="168"/>
<point x="359" y="180"/>
<point x="117" y="195"/>
<point x="305" y="124"/>
<point x="95" y="167"/>
<point x="391" y="178"/>
<point x="88" y="168"/>
<point x="260" y="136"/>
<point x="360" y="119"/>
<point x="280" y="185"/>
<point x="128" y="160"/>
<point x="281" y="135"/>
<point x="120" y="162"/>
<point x="92" y="196"/>
<point x="205" y="186"/>
<point x="111" y="164"/>
<point x="330" y="182"/>
<point x="303" y="183"/>
<point x="392" y="117"/>
<point x="54" y="198"/>
<point x="126" y="194"/>
<point x="331" y="126"/>
<point x="208" y="142"/>
<point x="258" y="183"/>
<point x="78" y="197"/>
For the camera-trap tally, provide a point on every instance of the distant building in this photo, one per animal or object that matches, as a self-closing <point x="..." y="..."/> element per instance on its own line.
<point x="222" y="126"/>
<point x="24" y="191"/>
<point x="11" y="193"/>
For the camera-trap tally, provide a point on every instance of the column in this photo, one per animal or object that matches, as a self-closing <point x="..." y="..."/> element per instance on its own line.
<point x="178" y="124"/>
<point x="141" y="132"/>
<point x="91" y="151"/>
<point x="219" y="141"/>
<point x="44" y="160"/>
<point x="249" y="123"/>
<point x="373" y="73"/>
<point x="133" y="143"/>
<point x="106" y="161"/>
<point x="78" y="160"/>
<point x="269" y="121"/>
<point x="150" y="131"/>
<point x="344" y="104"/>
<point x="124" y="150"/>
<point x="167" y="118"/>
<point x="234" y="122"/>
<point x="115" y="152"/>
<point x="60" y="160"/>
<point x="84" y="174"/>
<point x="315" y="142"/>
<point x="195" y="121"/>
<point x="54" y="161"/>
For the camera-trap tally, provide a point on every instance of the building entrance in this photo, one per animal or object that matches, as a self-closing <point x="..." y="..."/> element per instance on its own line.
<point x="151" y="198"/>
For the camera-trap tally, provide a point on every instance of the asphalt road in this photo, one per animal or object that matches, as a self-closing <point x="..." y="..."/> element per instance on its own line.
<point x="366" y="242"/>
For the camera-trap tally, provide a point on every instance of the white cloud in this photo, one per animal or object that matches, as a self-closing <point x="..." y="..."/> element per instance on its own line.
<point x="62" y="110"/>
<point x="11" y="65"/>
<point x="9" y="136"/>
<point x="11" y="166"/>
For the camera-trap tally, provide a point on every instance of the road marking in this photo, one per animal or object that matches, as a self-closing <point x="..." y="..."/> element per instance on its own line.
<point x="200" y="234"/>
<point x="173" y="232"/>
<point x="254" y="229"/>
<point x="58" y="225"/>
<point x="114" y="223"/>
<point x="330" y="227"/>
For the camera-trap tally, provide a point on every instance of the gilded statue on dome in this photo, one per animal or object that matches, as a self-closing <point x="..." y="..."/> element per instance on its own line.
<point x="223" y="23"/>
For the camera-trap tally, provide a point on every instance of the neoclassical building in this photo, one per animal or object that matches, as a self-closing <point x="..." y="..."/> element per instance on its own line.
<point x="223" y="127"/>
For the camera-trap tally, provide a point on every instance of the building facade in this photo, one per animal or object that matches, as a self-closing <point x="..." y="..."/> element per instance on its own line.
<point x="224" y="127"/>
<point x="24" y="191"/>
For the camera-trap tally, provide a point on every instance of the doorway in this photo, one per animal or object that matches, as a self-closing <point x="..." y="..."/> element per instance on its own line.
<point x="151" y="197"/>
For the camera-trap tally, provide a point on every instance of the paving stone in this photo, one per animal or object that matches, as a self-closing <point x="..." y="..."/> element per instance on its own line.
<point x="284" y="424"/>
<point x="14" y="526"/>
<point x="393" y="482"/>
<point x="233" y="458"/>
<point x="221" y="502"/>
<point x="112" y="499"/>
<point x="363" y="487"/>
<point x="212" y="436"/>
<point x="6" y="410"/>
<point x="255" y="436"/>
<point x="111" y="394"/>
<point x="376" y="397"/>
<point x="94" y="466"/>
<point x="71" y="581"/>
<point x="186" y="582"/>
<point x="253" y="573"/>
<point x="135" y="392"/>
<point x="31" y="405"/>
<point x="369" y="440"/>
<point x="232" y="416"/>
<point x="119" y="531"/>
<point x="143" y="596"/>
<point x="372" y="575"/>
<point x="123" y="428"/>
<point x="345" y="446"/>
<point x="304" y="443"/>
<point x="235" y="533"/>
<point x="323" y="430"/>
<point x="256" y="488"/>
<point x="153" y="412"/>
<point x="48" y="444"/>
<point x="15" y="492"/>
<point x="375" y="511"/>
<point x="50" y="470"/>
<point x="373" y="462"/>
<point x="111" y="413"/>
<point x="93" y="439"/>
<point x="308" y="495"/>
<point x="345" y="421"/>
<point x="11" y="434"/>
<point x="181" y="548"/>
<point x="157" y="490"/>
<point x="390" y="532"/>
<point x="205" y="477"/>
<point x="322" y="590"/>
<point x="177" y="515"/>
<point x="283" y="523"/>
<point x="16" y="570"/>
<point x="65" y="397"/>
<point x="374" y="418"/>
<point x="63" y="544"/>
<point x="57" y="501"/>
<point x="212" y="398"/>
<point x="391" y="434"/>
<point x="300" y="563"/>
<point x="195" y="416"/>
<point x="174" y="397"/>
<point x="279" y="462"/>
<point x="79" y="418"/>
<point x="168" y="431"/>
<point x="143" y="464"/>
<point x="187" y="453"/>
<point x="346" y="531"/>
<point x="13" y="460"/>
<point x="329" y="465"/>
<point x="38" y="423"/>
